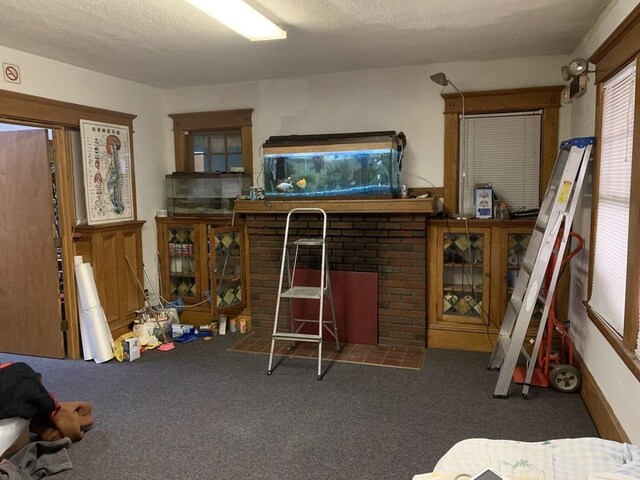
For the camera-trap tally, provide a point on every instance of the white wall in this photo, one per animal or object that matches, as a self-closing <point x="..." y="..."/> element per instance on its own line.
<point x="389" y="99"/>
<point x="401" y="99"/>
<point x="618" y="384"/>
<point x="59" y="81"/>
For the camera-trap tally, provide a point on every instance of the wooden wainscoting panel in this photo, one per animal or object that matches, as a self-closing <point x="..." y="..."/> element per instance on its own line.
<point x="460" y="340"/>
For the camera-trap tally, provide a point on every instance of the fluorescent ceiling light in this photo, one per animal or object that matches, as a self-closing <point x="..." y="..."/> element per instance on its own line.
<point x="242" y="18"/>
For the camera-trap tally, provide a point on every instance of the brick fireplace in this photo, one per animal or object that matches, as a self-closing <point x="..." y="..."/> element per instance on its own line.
<point x="393" y="245"/>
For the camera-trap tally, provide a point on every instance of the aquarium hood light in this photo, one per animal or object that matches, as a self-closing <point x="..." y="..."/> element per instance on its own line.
<point x="242" y="18"/>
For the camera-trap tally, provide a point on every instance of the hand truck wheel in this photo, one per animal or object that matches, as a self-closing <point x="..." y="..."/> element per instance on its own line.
<point x="565" y="378"/>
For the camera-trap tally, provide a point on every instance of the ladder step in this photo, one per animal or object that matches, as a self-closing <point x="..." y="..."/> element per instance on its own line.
<point x="527" y="267"/>
<point x="302" y="292"/>
<point x="308" y="241"/>
<point x="504" y="341"/>
<point x="515" y="305"/>
<point x="297" y="337"/>
<point x="501" y="349"/>
<point x="306" y="320"/>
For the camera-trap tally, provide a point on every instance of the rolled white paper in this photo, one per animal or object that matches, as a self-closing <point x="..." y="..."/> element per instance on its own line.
<point x="84" y="334"/>
<point x="97" y="335"/>
<point x="87" y="291"/>
<point x="100" y="337"/>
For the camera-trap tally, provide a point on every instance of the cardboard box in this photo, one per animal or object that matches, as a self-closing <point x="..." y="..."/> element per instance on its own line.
<point x="484" y="202"/>
<point x="179" y="329"/>
<point x="130" y="349"/>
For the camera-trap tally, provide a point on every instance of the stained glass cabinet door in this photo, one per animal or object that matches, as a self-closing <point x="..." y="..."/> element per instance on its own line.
<point x="465" y="265"/>
<point x="183" y="281"/>
<point x="227" y="260"/>
<point x="470" y="275"/>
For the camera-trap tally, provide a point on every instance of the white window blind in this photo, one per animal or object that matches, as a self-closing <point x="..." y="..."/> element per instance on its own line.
<point x="503" y="150"/>
<point x="612" y="222"/>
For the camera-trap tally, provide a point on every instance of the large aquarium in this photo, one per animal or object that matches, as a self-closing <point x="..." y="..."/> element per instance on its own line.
<point x="333" y="166"/>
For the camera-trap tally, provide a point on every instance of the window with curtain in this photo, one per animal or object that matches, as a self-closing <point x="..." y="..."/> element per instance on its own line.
<point x="609" y="275"/>
<point x="502" y="150"/>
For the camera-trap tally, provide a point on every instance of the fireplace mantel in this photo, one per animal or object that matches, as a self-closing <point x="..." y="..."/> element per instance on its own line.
<point x="391" y="205"/>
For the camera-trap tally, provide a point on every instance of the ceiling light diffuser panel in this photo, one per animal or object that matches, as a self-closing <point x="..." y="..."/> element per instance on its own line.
<point x="242" y="18"/>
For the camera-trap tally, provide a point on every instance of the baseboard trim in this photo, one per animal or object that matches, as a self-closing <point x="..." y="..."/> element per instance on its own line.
<point x="606" y="422"/>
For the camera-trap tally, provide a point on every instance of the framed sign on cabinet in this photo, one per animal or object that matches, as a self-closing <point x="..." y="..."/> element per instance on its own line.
<point x="106" y="162"/>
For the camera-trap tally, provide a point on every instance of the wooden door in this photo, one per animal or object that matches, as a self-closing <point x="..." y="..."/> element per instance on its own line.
<point x="29" y="288"/>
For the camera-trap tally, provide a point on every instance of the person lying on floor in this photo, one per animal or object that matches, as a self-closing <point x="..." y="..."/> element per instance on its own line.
<point x="23" y="395"/>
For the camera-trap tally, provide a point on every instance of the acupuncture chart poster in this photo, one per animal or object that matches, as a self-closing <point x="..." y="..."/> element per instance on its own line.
<point x="106" y="154"/>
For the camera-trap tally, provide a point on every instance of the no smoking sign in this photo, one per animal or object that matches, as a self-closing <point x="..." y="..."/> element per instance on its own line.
<point x="11" y="73"/>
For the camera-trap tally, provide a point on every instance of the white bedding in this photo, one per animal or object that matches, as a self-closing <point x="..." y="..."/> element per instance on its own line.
<point x="565" y="459"/>
<point x="10" y="430"/>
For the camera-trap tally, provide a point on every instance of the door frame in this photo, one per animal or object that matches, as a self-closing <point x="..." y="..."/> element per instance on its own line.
<point x="19" y="108"/>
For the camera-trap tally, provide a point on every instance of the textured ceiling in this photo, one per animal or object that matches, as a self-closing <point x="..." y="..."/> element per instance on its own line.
<point x="169" y="43"/>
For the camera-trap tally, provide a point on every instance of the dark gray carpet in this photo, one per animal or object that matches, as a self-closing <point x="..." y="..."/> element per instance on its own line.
<point x="201" y="411"/>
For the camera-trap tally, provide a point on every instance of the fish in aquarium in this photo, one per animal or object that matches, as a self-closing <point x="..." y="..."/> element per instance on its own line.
<point x="285" y="185"/>
<point x="302" y="183"/>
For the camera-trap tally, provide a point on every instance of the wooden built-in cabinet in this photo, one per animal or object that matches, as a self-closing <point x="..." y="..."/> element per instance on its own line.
<point x="107" y="248"/>
<point x="472" y="269"/>
<point x="204" y="262"/>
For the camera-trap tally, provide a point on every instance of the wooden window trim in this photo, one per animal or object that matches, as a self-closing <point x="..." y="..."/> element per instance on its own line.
<point x="619" y="48"/>
<point x="616" y="51"/>
<point x="546" y="99"/>
<point x="183" y="123"/>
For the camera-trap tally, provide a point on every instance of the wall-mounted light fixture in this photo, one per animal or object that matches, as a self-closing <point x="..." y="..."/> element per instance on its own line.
<point x="441" y="79"/>
<point x="576" y="72"/>
<point x="242" y="18"/>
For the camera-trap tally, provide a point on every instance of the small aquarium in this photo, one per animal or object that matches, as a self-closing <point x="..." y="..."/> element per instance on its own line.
<point x="205" y="193"/>
<point x="333" y="166"/>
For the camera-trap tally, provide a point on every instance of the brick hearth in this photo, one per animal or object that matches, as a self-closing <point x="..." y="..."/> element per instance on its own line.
<point x="393" y="245"/>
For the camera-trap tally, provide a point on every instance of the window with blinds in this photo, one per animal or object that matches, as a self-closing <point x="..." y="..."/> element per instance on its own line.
<point x="503" y="150"/>
<point x="614" y="189"/>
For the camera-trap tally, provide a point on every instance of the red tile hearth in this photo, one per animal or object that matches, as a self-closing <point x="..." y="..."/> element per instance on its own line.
<point x="378" y="355"/>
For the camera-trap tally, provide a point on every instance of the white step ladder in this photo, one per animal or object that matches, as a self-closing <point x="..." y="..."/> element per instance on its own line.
<point x="293" y="291"/>
<point x="554" y="219"/>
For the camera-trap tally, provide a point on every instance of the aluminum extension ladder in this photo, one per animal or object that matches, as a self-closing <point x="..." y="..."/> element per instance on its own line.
<point x="553" y="222"/>
<point x="293" y="291"/>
